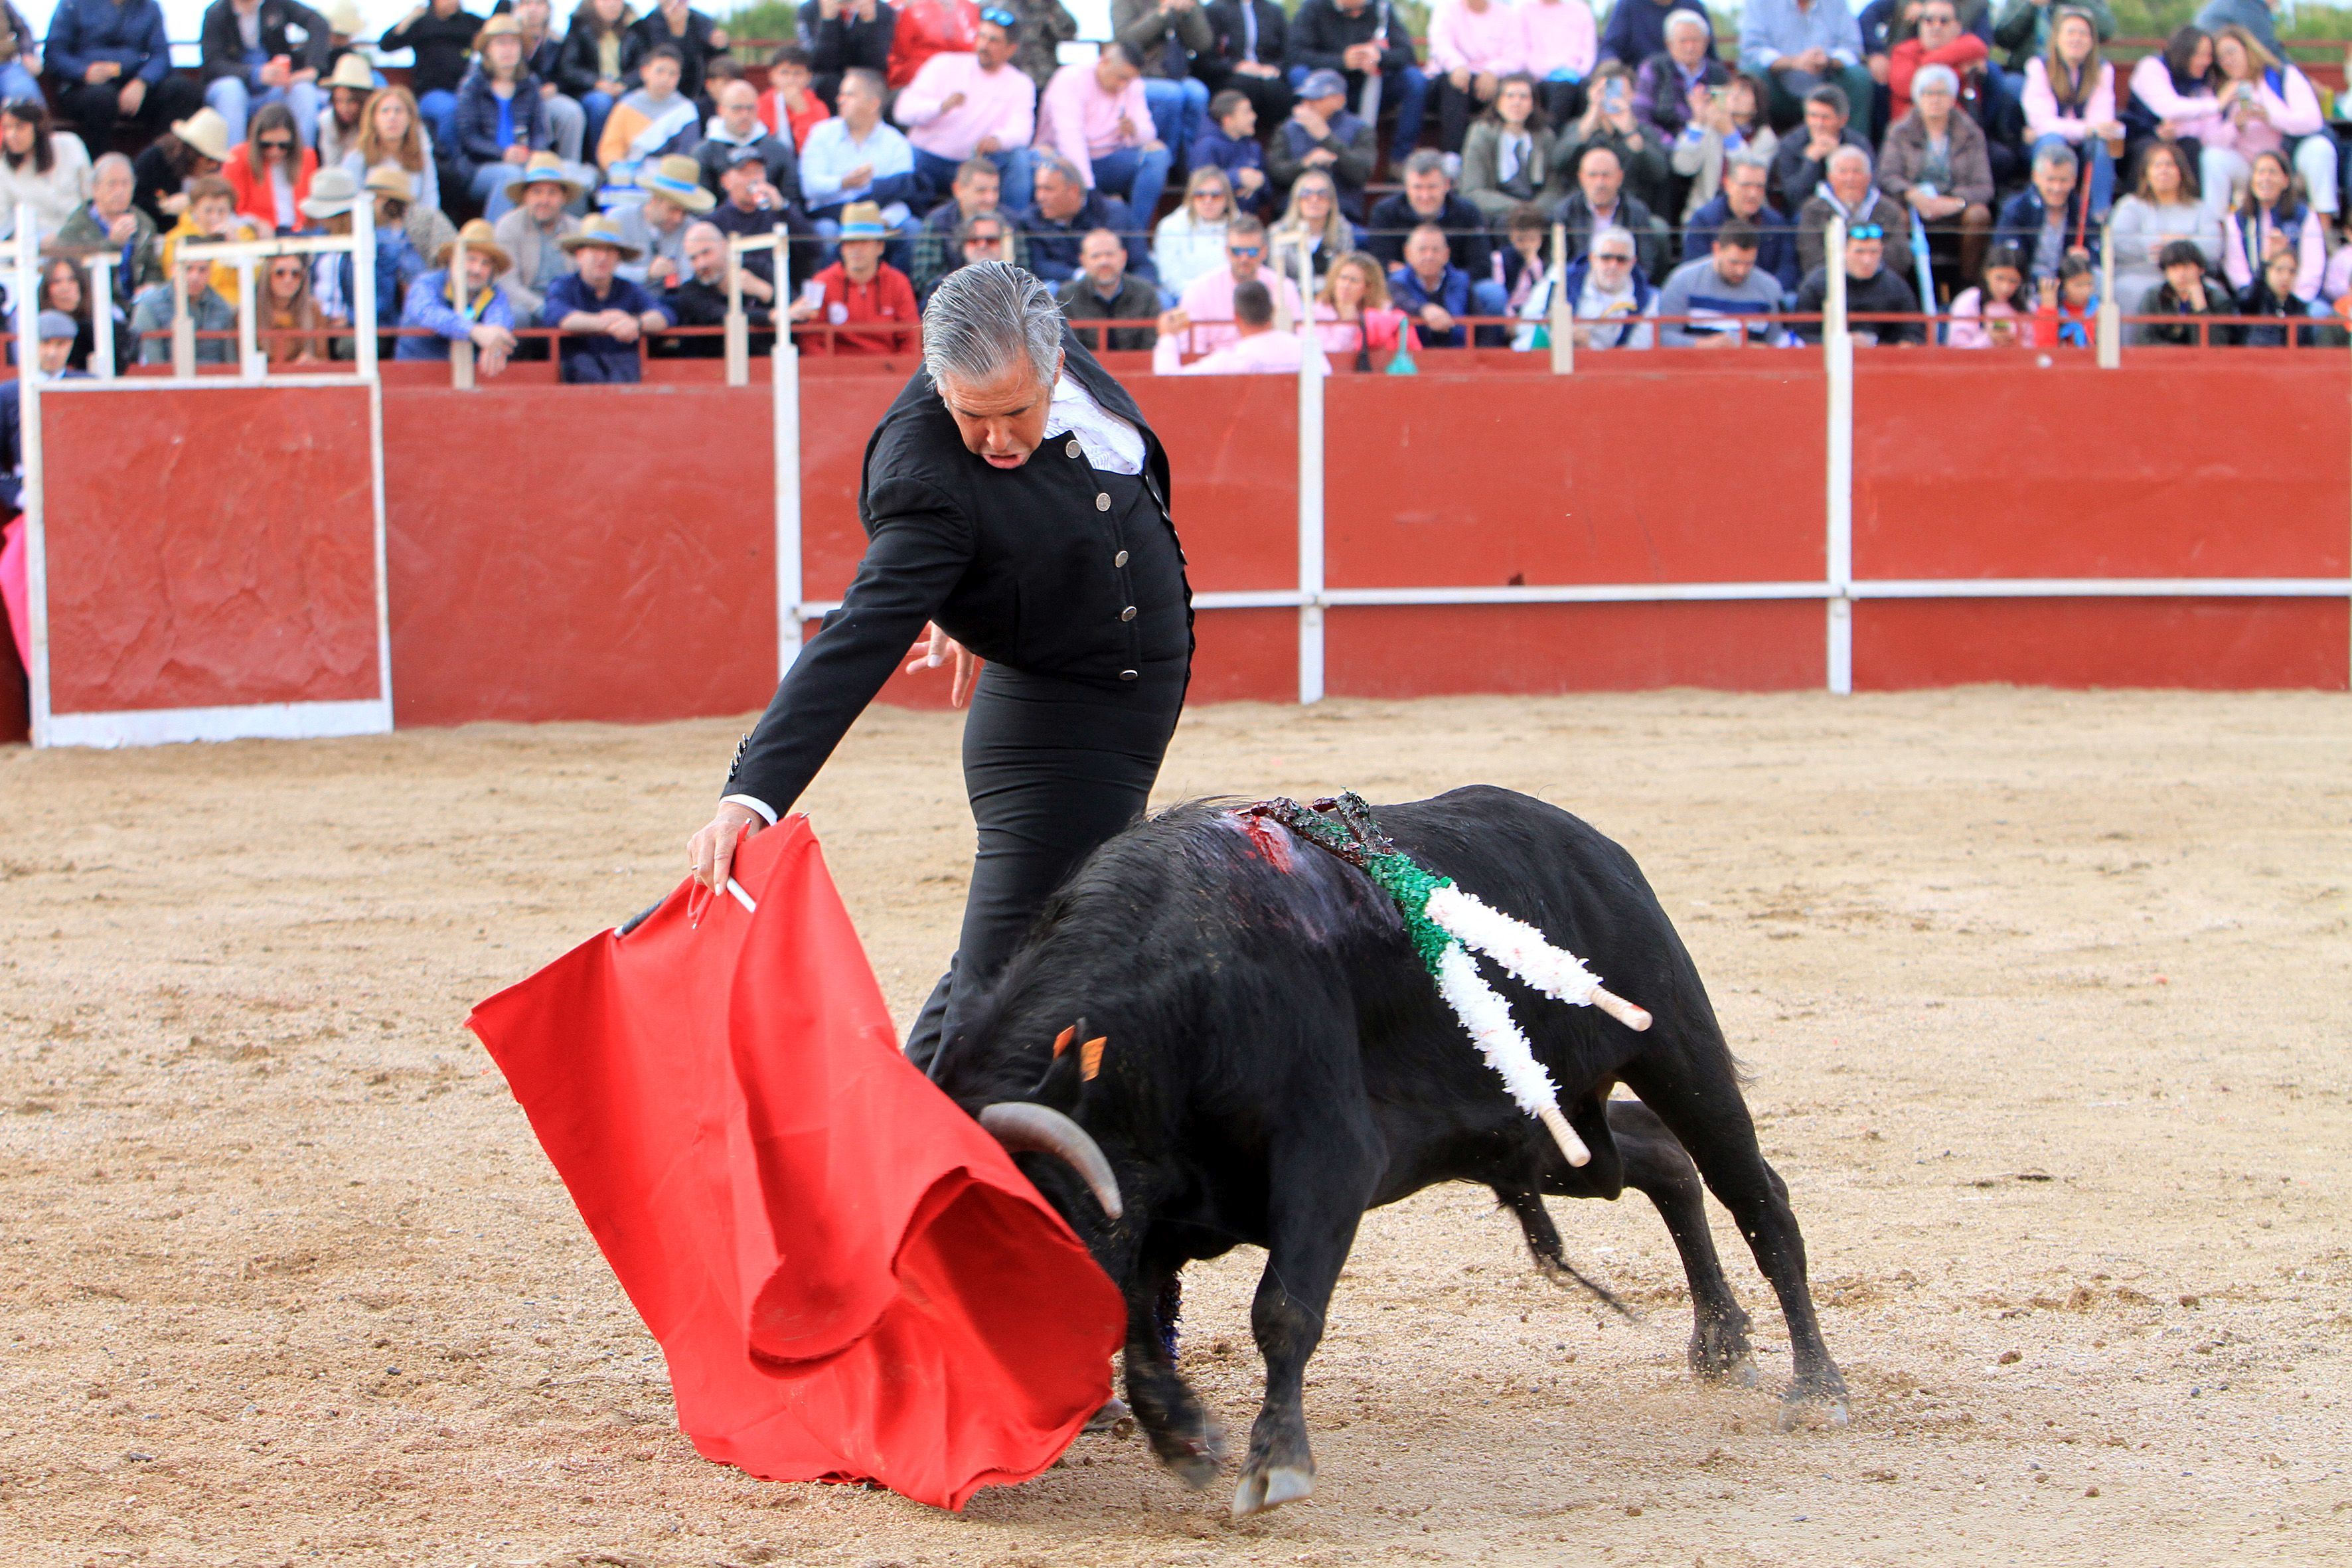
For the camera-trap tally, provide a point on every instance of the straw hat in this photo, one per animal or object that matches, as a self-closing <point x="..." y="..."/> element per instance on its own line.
<point x="598" y="229"/>
<point x="334" y="193"/>
<point x="206" y="132"/>
<point x="480" y="238"/>
<point x="389" y="180"/>
<point x="502" y="25"/>
<point x="863" y="220"/>
<point x="343" y="16"/>
<point x="545" y="169"/>
<point x="677" y="179"/>
<point x="353" y="72"/>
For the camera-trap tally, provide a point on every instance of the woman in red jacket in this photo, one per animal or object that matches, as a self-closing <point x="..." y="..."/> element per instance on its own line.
<point x="270" y="170"/>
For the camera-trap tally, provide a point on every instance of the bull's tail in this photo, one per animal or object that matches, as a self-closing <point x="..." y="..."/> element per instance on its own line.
<point x="1544" y="1246"/>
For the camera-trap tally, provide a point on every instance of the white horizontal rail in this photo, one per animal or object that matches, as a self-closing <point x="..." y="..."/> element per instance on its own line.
<point x="1690" y="592"/>
<point x="226" y="378"/>
<point x="2103" y="588"/>
<point x="255" y="249"/>
<point x="1576" y="593"/>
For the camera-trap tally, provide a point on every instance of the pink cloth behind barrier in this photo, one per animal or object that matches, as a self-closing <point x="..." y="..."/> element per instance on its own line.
<point x="14" y="594"/>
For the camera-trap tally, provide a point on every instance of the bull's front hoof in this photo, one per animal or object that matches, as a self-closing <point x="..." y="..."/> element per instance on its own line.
<point x="1196" y="1459"/>
<point x="1262" y="1490"/>
<point x="1736" y="1374"/>
<point x="1114" y="1419"/>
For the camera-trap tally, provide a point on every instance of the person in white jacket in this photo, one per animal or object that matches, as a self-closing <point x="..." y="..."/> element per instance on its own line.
<point x="1190" y="240"/>
<point x="49" y="169"/>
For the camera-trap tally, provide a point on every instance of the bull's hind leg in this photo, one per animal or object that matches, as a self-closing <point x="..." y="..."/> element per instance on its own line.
<point x="1317" y="1197"/>
<point x="1690" y="1085"/>
<point x="1659" y="1168"/>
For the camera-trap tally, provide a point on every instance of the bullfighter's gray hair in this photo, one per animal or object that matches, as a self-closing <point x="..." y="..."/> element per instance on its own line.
<point x="983" y="318"/>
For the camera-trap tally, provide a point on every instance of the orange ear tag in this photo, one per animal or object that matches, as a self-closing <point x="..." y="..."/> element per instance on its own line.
<point x="1061" y="1041"/>
<point x="1090" y="1057"/>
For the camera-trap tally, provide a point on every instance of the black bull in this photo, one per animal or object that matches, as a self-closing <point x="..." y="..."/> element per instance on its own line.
<point x="1277" y="1061"/>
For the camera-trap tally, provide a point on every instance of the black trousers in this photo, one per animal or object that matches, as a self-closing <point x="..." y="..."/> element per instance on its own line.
<point x="1054" y="768"/>
<point x="1457" y="107"/>
<point x="94" y="108"/>
<point x="1269" y="95"/>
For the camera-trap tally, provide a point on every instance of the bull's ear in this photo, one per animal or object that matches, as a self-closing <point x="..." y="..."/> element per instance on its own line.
<point x="1062" y="1083"/>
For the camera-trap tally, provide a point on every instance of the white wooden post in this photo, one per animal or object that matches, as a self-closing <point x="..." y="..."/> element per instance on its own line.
<point x="183" y="328"/>
<point x="461" y="352"/>
<point x="363" y="300"/>
<point x="1310" y="505"/>
<point x="27" y="326"/>
<point x="738" y="326"/>
<point x="1837" y="354"/>
<point x="101" y="315"/>
<point x="785" y="368"/>
<point x="2111" y="312"/>
<point x="248" y="308"/>
<point x="1561" y="315"/>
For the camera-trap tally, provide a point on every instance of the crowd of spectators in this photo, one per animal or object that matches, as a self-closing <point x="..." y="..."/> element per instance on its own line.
<point x="1209" y="179"/>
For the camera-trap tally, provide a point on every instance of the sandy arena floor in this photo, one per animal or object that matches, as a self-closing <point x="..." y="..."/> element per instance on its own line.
<point x="2046" y="996"/>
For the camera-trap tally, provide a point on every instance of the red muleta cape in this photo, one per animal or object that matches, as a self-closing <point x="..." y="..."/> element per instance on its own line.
<point x="849" y="1277"/>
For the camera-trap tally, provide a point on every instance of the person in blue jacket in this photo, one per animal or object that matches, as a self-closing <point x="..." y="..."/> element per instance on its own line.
<point x="111" y="61"/>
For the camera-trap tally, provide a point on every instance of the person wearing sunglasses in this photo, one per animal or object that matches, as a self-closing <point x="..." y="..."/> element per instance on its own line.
<point x="51" y="169"/>
<point x="977" y="105"/>
<point x="1872" y="287"/>
<point x="1207" y="302"/>
<point x="271" y="171"/>
<point x="251" y="56"/>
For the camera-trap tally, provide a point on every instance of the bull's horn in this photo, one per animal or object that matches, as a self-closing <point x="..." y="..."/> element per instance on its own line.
<point x="1024" y="1128"/>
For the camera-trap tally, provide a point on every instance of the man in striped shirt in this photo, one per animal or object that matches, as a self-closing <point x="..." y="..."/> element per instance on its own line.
<point x="1725" y="293"/>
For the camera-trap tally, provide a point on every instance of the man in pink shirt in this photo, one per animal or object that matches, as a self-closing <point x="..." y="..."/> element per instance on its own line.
<point x="1560" y="46"/>
<point x="961" y="107"/>
<point x="1095" y="115"/>
<point x="1205" y="316"/>
<point x="1473" y="45"/>
<point x="1257" y="349"/>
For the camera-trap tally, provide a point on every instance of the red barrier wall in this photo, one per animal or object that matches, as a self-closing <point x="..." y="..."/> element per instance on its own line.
<point x="2226" y="463"/>
<point x="209" y="548"/>
<point x="1616" y="475"/>
<point x="558" y="552"/>
<point x="527" y="583"/>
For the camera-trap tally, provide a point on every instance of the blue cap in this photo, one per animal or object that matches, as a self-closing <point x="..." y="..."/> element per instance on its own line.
<point x="1323" y="84"/>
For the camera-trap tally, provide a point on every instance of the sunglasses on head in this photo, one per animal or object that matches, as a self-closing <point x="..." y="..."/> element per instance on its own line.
<point x="1865" y="231"/>
<point x="22" y="107"/>
<point x="1000" y="17"/>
